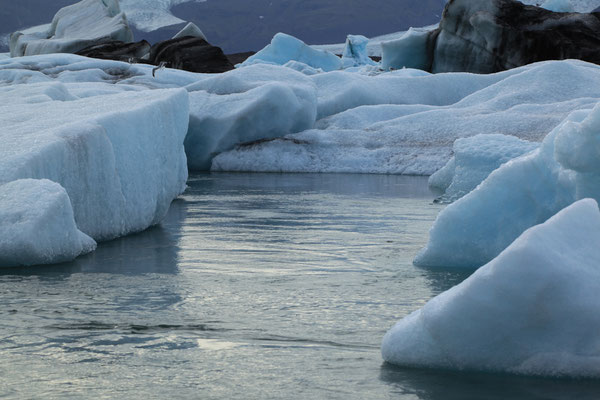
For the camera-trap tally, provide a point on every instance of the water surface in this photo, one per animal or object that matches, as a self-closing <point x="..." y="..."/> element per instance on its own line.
<point x="256" y="286"/>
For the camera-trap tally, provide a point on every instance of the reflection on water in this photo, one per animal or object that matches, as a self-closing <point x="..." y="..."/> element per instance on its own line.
<point x="263" y="286"/>
<point x="452" y="385"/>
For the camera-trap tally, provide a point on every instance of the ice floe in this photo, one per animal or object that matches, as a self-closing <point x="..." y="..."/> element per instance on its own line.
<point x="532" y="310"/>
<point x="521" y="193"/>
<point x="37" y="225"/>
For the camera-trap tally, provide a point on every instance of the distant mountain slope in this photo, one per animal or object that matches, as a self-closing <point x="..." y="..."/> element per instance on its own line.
<point x="240" y="25"/>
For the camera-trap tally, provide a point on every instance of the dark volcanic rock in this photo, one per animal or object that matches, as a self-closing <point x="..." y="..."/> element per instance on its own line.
<point x="117" y="50"/>
<point x="238" y="58"/>
<point x="485" y="36"/>
<point x="190" y="54"/>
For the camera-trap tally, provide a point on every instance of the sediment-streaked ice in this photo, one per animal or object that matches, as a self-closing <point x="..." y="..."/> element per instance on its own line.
<point x="406" y="121"/>
<point x="73" y="28"/>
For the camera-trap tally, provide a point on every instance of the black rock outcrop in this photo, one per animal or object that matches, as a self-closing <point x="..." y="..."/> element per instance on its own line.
<point x="117" y="50"/>
<point x="190" y="54"/>
<point x="485" y="36"/>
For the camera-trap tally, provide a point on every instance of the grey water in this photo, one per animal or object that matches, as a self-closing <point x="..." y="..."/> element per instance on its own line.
<point x="255" y="286"/>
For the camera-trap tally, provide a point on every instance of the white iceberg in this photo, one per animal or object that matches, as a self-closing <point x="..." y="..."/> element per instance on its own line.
<point x="74" y="28"/>
<point x="404" y="122"/>
<point x="532" y="310"/>
<point x="37" y="225"/>
<point x="284" y="48"/>
<point x="474" y="159"/>
<point x="244" y="105"/>
<point x="522" y="193"/>
<point x="117" y="149"/>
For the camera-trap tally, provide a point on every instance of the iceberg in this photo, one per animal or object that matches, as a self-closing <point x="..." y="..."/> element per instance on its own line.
<point x="74" y="28"/>
<point x="532" y="310"/>
<point x="284" y="48"/>
<point x="117" y="149"/>
<point x="256" y="102"/>
<point x="355" y="52"/>
<point x="563" y="170"/>
<point x="406" y="121"/>
<point x="412" y="50"/>
<point x="245" y="105"/>
<point x="474" y="159"/>
<point x="37" y="225"/>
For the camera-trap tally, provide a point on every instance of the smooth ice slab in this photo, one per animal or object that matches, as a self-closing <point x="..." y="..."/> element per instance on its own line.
<point x="258" y="102"/>
<point x="532" y="310"/>
<point x="37" y="225"/>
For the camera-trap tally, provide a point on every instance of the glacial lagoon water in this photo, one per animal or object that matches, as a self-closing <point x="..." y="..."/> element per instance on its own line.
<point x="256" y="286"/>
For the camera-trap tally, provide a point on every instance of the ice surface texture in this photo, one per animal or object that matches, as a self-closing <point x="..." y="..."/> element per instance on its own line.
<point x="406" y="121"/>
<point x="37" y="225"/>
<point x="474" y="159"/>
<point x="244" y="105"/>
<point x="117" y="149"/>
<point x="532" y="310"/>
<point x="476" y="228"/>
<point x="74" y="28"/>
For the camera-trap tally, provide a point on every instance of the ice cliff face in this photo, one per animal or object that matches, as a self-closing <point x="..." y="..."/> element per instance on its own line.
<point x="117" y="150"/>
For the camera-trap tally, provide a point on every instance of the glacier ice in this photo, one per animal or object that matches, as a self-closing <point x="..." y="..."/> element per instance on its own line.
<point x="474" y="159"/>
<point x="190" y="29"/>
<point x="116" y="149"/>
<point x="531" y="310"/>
<point x="562" y="170"/>
<point x="284" y="48"/>
<point x="409" y="51"/>
<point x="244" y="105"/>
<point x="73" y="28"/>
<point x="355" y="52"/>
<point x="558" y="5"/>
<point x="374" y="46"/>
<point x="406" y="121"/>
<point x="37" y="225"/>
